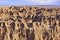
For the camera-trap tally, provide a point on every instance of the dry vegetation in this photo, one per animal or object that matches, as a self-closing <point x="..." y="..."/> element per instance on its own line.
<point x="29" y="23"/>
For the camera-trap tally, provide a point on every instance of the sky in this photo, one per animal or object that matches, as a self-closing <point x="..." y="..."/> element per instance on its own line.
<point x="29" y="2"/>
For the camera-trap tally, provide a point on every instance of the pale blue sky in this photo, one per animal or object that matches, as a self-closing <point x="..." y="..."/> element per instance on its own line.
<point x="29" y="2"/>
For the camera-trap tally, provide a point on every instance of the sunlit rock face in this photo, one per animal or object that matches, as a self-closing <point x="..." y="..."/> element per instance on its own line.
<point x="29" y="23"/>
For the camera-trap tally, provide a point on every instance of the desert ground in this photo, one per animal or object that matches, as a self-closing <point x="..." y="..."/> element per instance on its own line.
<point x="29" y="23"/>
